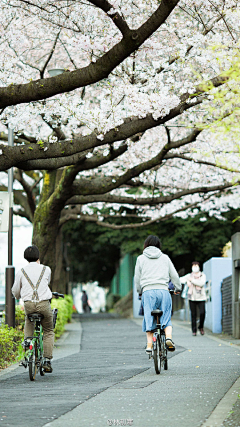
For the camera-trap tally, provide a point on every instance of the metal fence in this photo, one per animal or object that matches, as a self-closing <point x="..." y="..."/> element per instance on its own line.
<point x="226" y="289"/>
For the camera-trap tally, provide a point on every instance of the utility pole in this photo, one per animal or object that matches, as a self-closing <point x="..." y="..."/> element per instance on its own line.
<point x="10" y="270"/>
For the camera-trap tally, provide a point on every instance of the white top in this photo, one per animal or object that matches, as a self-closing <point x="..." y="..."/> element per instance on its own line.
<point x="22" y="288"/>
<point x="153" y="270"/>
<point x="198" y="292"/>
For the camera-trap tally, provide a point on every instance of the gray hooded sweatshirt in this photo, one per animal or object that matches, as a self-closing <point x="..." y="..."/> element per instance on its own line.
<point x="153" y="270"/>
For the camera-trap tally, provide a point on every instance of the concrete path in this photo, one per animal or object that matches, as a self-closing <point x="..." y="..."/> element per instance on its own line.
<point x="108" y="380"/>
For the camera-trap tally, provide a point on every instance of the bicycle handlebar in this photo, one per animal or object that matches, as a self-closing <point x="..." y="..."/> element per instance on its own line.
<point x="57" y="295"/>
<point x="172" y="292"/>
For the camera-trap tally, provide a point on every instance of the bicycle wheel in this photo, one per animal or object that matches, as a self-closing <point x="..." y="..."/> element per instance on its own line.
<point x="32" y="364"/>
<point x="157" y="356"/>
<point x="164" y="352"/>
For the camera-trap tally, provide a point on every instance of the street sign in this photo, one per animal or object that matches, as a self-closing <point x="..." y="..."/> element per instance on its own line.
<point x="4" y="211"/>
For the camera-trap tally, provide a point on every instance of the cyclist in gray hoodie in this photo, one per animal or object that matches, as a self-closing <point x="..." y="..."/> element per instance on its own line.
<point x="152" y="273"/>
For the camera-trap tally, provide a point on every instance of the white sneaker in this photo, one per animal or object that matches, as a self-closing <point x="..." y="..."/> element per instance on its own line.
<point x="170" y="344"/>
<point x="149" y="348"/>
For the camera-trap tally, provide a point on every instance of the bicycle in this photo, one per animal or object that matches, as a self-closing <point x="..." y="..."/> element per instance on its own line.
<point x="159" y="352"/>
<point x="34" y="352"/>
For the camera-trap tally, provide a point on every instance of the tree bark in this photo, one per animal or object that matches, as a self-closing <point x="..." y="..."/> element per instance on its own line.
<point x="46" y="233"/>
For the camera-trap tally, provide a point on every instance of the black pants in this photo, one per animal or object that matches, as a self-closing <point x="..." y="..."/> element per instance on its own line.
<point x="193" y="307"/>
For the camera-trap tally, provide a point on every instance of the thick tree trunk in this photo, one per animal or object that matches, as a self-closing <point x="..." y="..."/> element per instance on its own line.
<point x="59" y="280"/>
<point x="48" y="240"/>
<point x="46" y="232"/>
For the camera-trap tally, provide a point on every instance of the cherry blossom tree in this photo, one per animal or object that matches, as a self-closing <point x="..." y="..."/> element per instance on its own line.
<point x="124" y="124"/>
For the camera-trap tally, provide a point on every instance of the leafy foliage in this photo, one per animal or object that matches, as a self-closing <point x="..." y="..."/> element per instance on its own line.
<point x="10" y="345"/>
<point x="94" y="252"/>
<point x="64" y="313"/>
<point x="19" y="317"/>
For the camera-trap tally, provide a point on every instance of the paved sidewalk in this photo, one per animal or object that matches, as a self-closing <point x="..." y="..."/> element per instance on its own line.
<point x="111" y="378"/>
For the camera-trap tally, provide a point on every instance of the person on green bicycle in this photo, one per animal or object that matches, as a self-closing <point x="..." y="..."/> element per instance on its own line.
<point x="152" y="273"/>
<point x="32" y="285"/>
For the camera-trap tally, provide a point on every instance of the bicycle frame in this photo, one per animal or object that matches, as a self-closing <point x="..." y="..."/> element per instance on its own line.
<point x="36" y="342"/>
<point x="37" y="337"/>
<point x="157" y="333"/>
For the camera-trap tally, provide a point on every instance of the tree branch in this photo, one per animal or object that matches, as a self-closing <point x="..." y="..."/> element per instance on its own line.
<point x="150" y="201"/>
<point x="207" y="29"/>
<point x="15" y="156"/>
<point x="21" y="139"/>
<point x="112" y="182"/>
<point x="49" y="56"/>
<point x="202" y="162"/>
<point x="56" y="129"/>
<point x="94" y="218"/>
<point x="28" y="190"/>
<point x="22" y="214"/>
<point x="68" y="81"/>
<point x="113" y="15"/>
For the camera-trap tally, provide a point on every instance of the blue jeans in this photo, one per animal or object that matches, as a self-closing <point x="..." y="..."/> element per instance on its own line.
<point x="152" y="300"/>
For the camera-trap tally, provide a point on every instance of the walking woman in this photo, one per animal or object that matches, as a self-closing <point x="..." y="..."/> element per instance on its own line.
<point x="152" y="273"/>
<point x="195" y="284"/>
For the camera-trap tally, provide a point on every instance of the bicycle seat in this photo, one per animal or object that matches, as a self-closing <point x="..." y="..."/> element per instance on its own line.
<point x="157" y="313"/>
<point x="35" y="316"/>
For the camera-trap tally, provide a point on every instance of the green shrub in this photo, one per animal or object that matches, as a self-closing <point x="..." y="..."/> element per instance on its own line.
<point x="10" y="345"/>
<point x="69" y="301"/>
<point x="19" y="317"/>
<point x="64" y="316"/>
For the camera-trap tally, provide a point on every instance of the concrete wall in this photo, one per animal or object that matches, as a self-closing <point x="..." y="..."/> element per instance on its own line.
<point x="216" y="269"/>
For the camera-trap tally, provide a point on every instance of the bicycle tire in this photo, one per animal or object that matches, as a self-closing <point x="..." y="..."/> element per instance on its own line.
<point x="164" y="352"/>
<point x="32" y="364"/>
<point x="157" y="356"/>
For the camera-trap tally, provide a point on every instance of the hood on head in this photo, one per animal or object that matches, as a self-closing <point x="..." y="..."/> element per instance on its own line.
<point x="152" y="252"/>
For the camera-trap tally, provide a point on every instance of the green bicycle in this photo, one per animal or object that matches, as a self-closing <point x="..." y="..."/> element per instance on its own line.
<point x="34" y="345"/>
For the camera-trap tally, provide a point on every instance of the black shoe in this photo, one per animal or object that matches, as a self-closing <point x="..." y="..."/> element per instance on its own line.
<point x="47" y="367"/>
<point x="23" y="363"/>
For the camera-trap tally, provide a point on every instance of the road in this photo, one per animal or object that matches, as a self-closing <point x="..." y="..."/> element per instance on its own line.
<point x="101" y="376"/>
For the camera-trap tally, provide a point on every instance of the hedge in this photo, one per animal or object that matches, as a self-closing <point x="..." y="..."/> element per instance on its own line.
<point x="11" y="338"/>
<point x="65" y="309"/>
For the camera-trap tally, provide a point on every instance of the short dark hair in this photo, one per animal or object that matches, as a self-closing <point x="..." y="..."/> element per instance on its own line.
<point x="31" y="253"/>
<point x="196" y="262"/>
<point x="152" y="241"/>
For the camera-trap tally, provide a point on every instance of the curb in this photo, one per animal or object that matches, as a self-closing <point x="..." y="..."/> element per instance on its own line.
<point x="9" y="369"/>
<point x="223" y="408"/>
